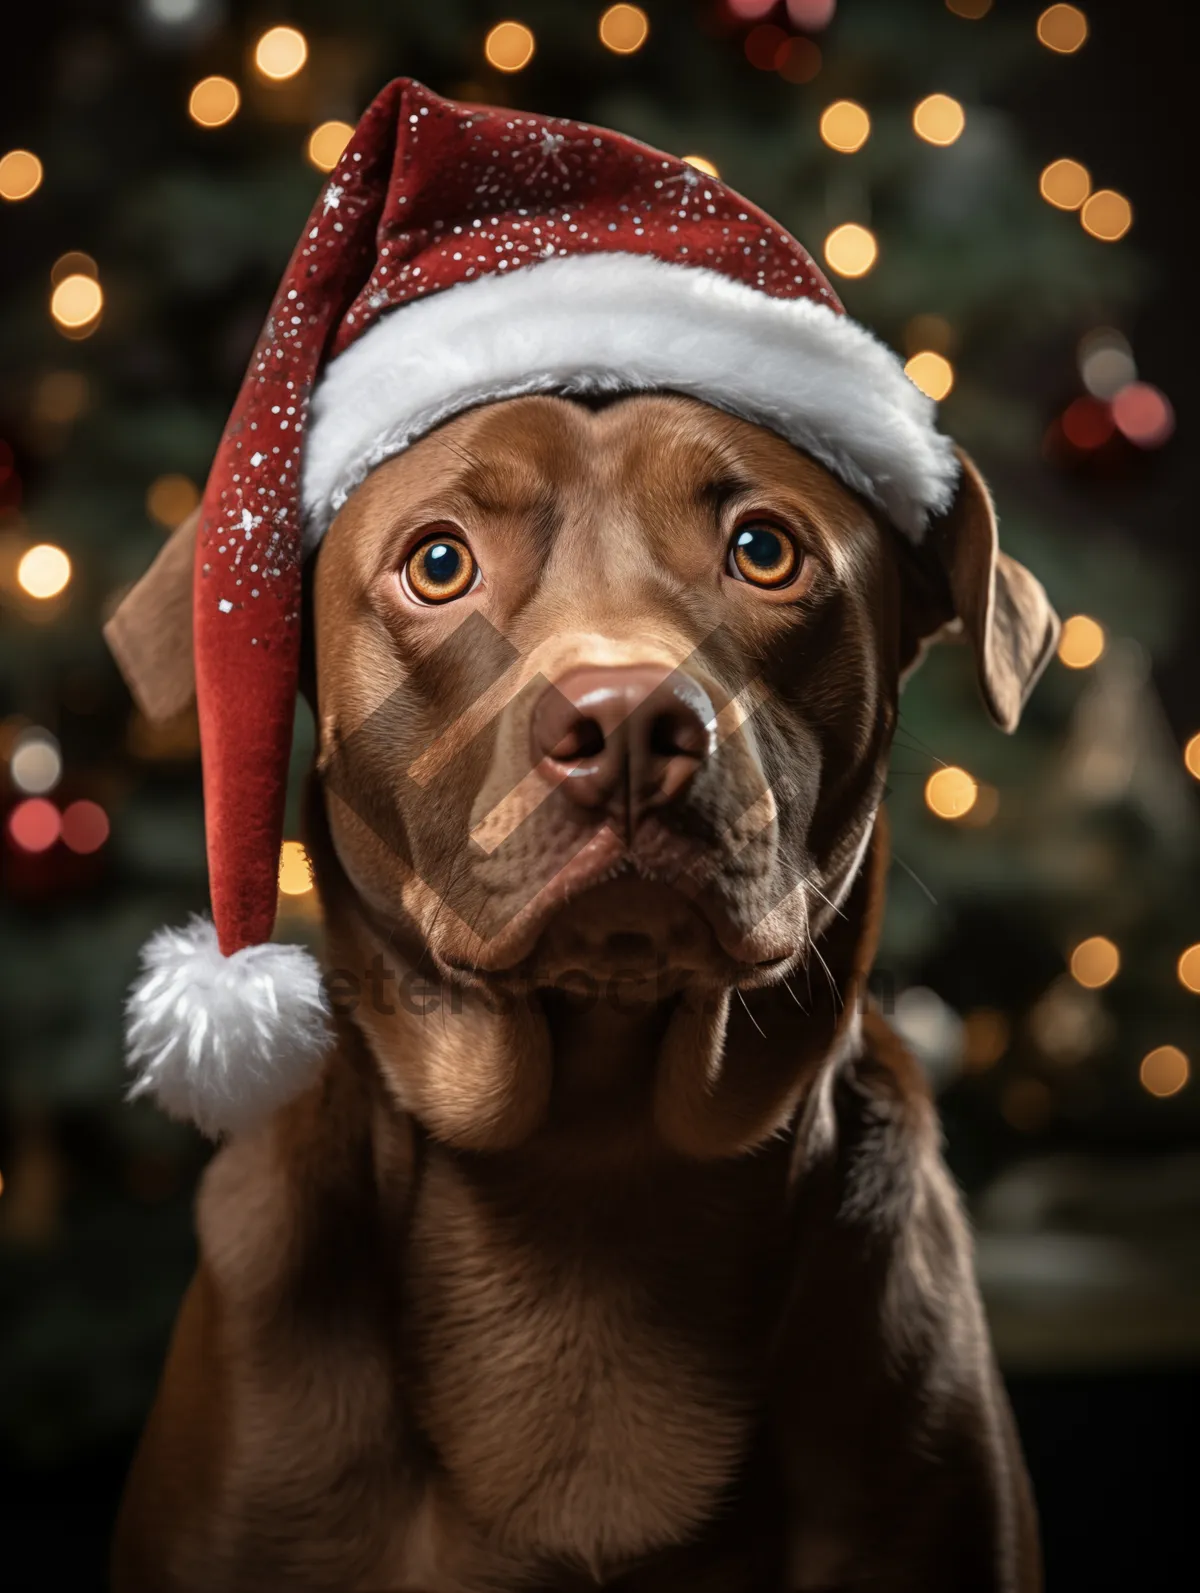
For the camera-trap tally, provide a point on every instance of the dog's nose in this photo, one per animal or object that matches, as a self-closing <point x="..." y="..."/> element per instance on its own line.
<point x="626" y="738"/>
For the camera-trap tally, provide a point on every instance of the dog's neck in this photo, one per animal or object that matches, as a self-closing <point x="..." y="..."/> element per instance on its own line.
<point x="703" y="1074"/>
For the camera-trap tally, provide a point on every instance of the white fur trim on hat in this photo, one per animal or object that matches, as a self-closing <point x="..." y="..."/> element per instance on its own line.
<point x="224" y="1041"/>
<point x="630" y="323"/>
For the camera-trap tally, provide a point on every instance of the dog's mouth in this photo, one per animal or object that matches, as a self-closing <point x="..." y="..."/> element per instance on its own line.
<point x="608" y="916"/>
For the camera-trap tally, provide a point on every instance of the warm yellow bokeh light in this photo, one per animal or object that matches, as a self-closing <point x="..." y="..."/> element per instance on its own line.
<point x="44" y="571"/>
<point x="845" y="126"/>
<point x="1095" y="962"/>
<point x="1191" y="756"/>
<point x="326" y="143"/>
<point x="624" y="29"/>
<point x="1081" y="642"/>
<point x="213" y="102"/>
<point x="509" y="46"/>
<point x="1027" y="1105"/>
<point x="851" y="250"/>
<point x="1164" y="1071"/>
<point x="1107" y="215"/>
<point x="280" y="53"/>
<point x="972" y="10"/>
<point x="1065" y="184"/>
<point x="950" y="792"/>
<point x="929" y="331"/>
<point x="76" y="301"/>
<point x="1188" y="969"/>
<point x="932" y="373"/>
<point x="73" y="263"/>
<point x="295" y="871"/>
<point x="20" y="174"/>
<point x="701" y="164"/>
<point x="986" y="1033"/>
<point x="171" y="499"/>
<point x="1062" y="29"/>
<point x="938" y="119"/>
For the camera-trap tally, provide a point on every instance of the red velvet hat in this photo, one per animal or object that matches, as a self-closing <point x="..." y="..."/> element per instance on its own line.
<point x="460" y="254"/>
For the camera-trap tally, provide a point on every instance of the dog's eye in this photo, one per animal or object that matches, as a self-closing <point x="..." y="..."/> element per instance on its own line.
<point x="763" y="554"/>
<point x="440" y="570"/>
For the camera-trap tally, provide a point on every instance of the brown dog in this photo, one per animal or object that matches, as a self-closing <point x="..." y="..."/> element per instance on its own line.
<point x="615" y="1247"/>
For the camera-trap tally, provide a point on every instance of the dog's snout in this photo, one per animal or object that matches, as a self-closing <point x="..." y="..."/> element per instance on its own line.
<point x="628" y="738"/>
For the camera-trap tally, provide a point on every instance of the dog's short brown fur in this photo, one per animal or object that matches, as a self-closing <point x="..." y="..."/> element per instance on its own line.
<point x="657" y="1283"/>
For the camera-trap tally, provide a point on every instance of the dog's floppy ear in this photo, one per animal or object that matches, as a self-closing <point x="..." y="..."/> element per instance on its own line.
<point x="150" y="632"/>
<point x="958" y="578"/>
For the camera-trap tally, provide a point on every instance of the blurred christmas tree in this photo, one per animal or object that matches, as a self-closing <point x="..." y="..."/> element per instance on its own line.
<point x="1040" y="902"/>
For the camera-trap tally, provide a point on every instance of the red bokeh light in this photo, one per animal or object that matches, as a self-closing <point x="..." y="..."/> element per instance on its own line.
<point x="85" y="827"/>
<point x="766" y="46"/>
<point x="1088" y="423"/>
<point x="34" y="825"/>
<point x="800" y="62"/>
<point x="1143" y="414"/>
<point x="812" y="15"/>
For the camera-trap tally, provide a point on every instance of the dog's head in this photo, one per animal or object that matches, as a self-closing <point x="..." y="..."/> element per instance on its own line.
<point x="612" y="688"/>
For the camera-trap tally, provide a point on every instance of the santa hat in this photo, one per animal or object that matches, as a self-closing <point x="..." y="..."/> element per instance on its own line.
<point x="460" y="254"/>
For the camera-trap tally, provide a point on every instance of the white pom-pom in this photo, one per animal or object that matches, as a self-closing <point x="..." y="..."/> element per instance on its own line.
<point x="224" y="1041"/>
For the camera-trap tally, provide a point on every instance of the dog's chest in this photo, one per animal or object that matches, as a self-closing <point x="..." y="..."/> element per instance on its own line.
<point x="589" y="1399"/>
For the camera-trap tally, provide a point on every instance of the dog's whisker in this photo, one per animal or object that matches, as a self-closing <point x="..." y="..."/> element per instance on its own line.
<point x="750" y="1015"/>
<point x="914" y="876"/>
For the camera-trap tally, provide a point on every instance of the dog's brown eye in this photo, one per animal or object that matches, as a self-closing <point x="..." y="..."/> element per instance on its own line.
<point x="440" y="570"/>
<point x="763" y="554"/>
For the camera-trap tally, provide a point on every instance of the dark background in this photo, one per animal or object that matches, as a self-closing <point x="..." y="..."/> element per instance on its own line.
<point x="1084" y="1190"/>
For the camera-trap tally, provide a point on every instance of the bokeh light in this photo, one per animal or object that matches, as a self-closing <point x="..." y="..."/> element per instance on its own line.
<point x="938" y="119"/>
<point x="77" y="301"/>
<point x="60" y="397"/>
<point x="170" y="499"/>
<point x="84" y="827"/>
<point x="845" y="126"/>
<point x="1081" y="642"/>
<point x="950" y="792"/>
<point x="1164" y="1071"/>
<point x="929" y="331"/>
<point x="986" y="1034"/>
<point x="1106" y="362"/>
<point x="1143" y="415"/>
<point x="44" y="571"/>
<point x="624" y="29"/>
<point x="213" y="102"/>
<point x="767" y="47"/>
<point x="35" y="765"/>
<point x="851" y="250"/>
<point x="280" y="53"/>
<point x="73" y="263"/>
<point x="295" y="871"/>
<point x="1087" y="423"/>
<point x="1065" y="184"/>
<point x="1107" y="215"/>
<point x="1026" y="1105"/>
<point x="326" y="143"/>
<point x="20" y="175"/>
<point x="701" y="164"/>
<point x="1062" y="28"/>
<point x="34" y="825"/>
<point x="972" y="10"/>
<point x="1191" y="756"/>
<point x="811" y="15"/>
<point x="799" y="62"/>
<point x="931" y="372"/>
<point x="1095" y="962"/>
<point x="1188" y="969"/>
<point x="750" y="10"/>
<point x="509" y="46"/>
